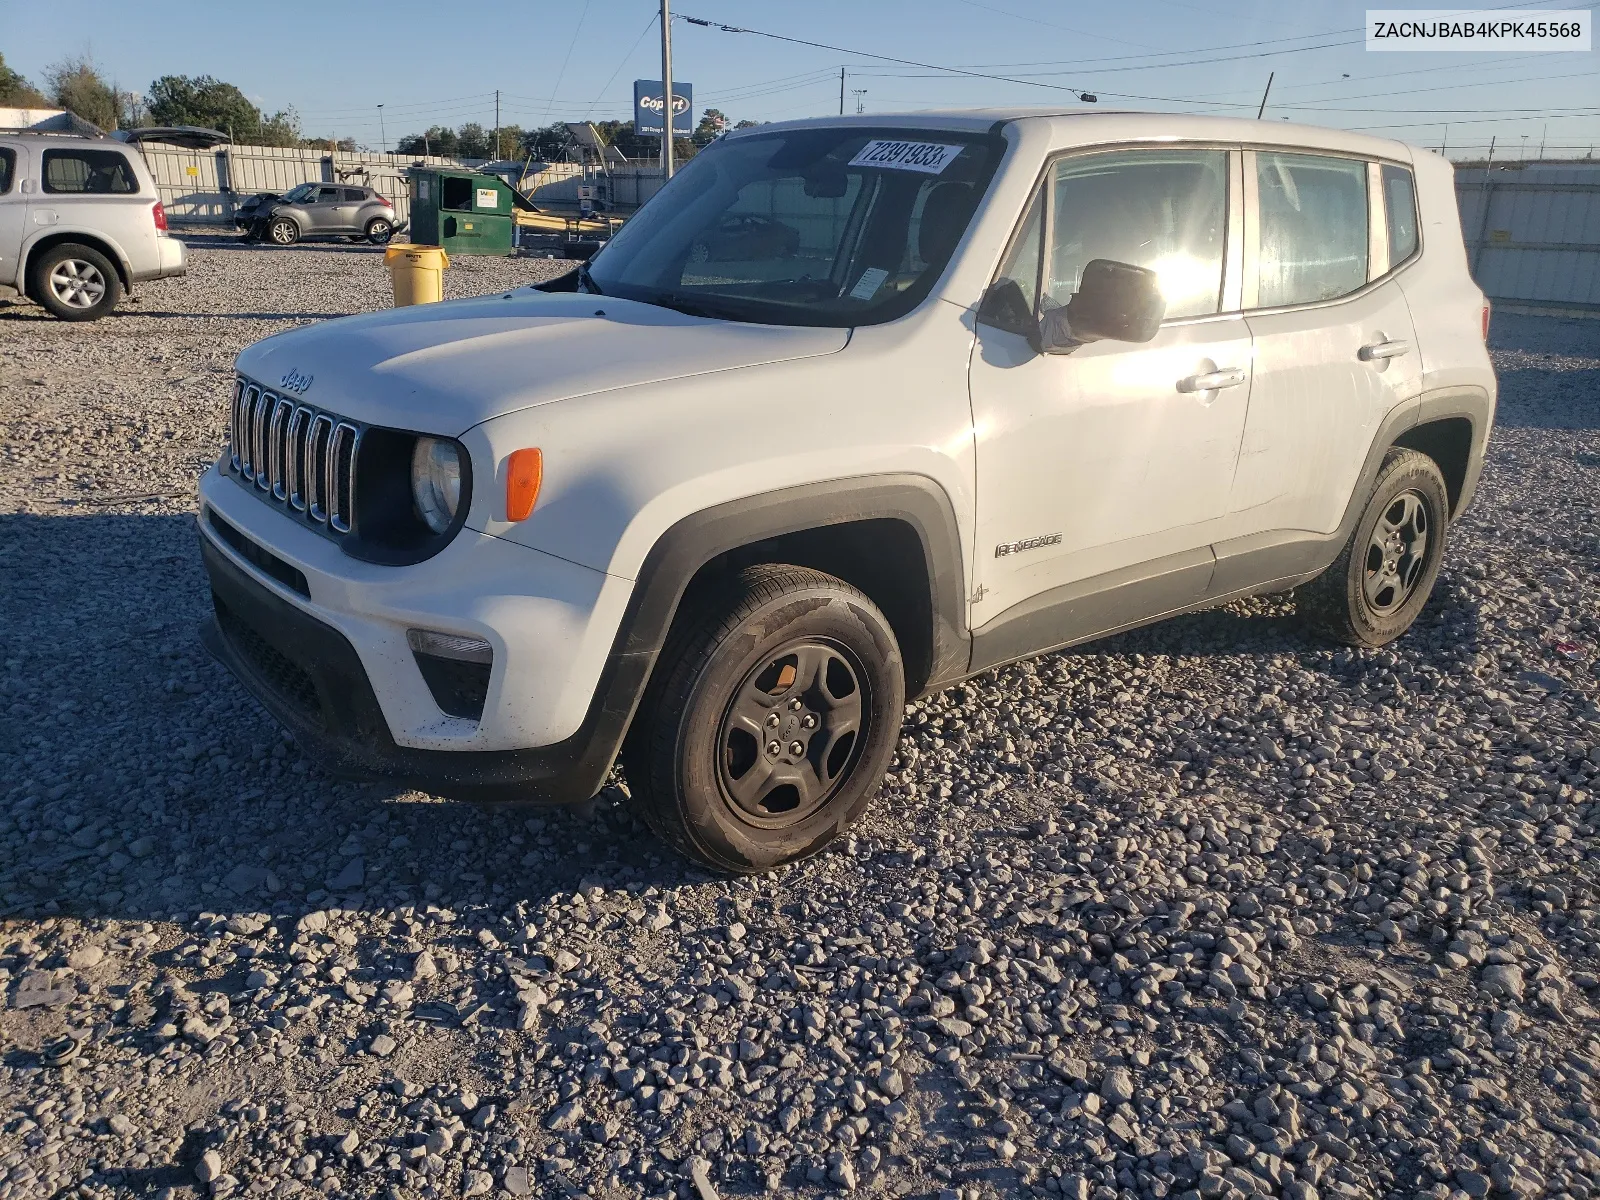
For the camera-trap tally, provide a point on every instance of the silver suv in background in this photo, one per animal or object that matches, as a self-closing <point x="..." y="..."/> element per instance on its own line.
<point x="80" y="223"/>
<point x="324" y="209"/>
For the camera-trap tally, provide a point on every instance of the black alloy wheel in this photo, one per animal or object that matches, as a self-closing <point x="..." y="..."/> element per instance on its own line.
<point x="791" y="732"/>
<point x="1396" y="553"/>
<point x="1386" y="571"/>
<point x="772" y="713"/>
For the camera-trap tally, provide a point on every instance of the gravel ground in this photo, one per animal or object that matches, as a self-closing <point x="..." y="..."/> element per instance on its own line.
<point x="1207" y="910"/>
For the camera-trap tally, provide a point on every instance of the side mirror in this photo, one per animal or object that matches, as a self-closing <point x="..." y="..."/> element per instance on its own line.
<point x="1005" y="306"/>
<point x="1115" y="301"/>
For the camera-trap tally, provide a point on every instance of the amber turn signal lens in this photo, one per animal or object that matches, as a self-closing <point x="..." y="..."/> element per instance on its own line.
<point x="524" y="474"/>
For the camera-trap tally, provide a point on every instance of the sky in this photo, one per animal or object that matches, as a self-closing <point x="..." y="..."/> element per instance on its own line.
<point x="433" y="63"/>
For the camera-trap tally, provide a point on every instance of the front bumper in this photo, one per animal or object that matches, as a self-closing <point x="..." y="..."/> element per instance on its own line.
<point x="323" y="644"/>
<point x="309" y="676"/>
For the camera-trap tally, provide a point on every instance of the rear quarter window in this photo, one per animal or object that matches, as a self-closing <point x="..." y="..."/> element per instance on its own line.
<point x="89" y="172"/>
<point x="8" y="169"/>
<point x="1400" y="211"/>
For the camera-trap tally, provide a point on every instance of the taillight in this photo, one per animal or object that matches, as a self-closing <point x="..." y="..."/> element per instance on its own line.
<point x="1486" y="320"/>
<point x="160" y="214"/>
<point x="385" y="201"/>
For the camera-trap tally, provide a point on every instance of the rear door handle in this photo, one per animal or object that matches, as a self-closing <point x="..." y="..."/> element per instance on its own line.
<point x="1212" y="380"/>
<point x="1381" y="350"/>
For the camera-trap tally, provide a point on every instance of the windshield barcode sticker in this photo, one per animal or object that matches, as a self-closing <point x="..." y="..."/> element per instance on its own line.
<point x="930" y="158"/>
<point x="867" y="286"/>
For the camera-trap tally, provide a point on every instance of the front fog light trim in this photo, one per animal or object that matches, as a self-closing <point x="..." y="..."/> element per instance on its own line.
<point x="450" y="645"/>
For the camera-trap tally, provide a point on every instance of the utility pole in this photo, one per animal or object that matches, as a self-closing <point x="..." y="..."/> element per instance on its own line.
<point x="1265" y="93"/>
<point x="841" y="91"/>
<point x="666" y="91"/>
<point x="383" y="138"/>
<point x="1543" y="134"/>
<point x="496" y="153"/>
<point x="1445" y="144"/>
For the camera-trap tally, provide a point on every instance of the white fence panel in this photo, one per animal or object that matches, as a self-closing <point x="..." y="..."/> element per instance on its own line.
<point x="1533" y="235"/>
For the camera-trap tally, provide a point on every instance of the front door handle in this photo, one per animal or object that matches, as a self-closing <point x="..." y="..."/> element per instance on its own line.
<point x="1212" y="380"/>
<point x="1377" y="351"/>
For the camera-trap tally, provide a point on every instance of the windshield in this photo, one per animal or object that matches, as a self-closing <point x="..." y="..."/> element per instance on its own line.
<point x="834" y="226"/>
<point x="299" y="192"/>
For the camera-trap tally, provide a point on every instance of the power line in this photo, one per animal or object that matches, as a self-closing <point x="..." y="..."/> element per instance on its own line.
<point x="576" y="29"/>
<point x="905" y="62"/>
<point x="626" y="58"/>
<point x="1052" y="25"/>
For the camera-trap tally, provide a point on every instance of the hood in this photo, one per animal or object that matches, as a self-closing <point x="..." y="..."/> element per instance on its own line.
<point x="443" y="368"/>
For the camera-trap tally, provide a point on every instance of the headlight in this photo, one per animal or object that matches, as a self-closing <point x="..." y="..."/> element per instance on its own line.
<point x="436" y="481"/>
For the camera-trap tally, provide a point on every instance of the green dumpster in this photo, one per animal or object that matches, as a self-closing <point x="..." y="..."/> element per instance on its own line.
<point x="462" y="211"/>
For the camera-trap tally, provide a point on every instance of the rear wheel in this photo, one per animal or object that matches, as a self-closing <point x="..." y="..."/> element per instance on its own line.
<point x="281" y="231"/>
<point x="769" y="722"/>
<point x="379" y="231"/>
<point x="1386" y="572"/>
<point x="74" y="283"/>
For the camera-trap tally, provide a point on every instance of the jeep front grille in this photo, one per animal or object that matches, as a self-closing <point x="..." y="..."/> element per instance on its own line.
<point x="294" y="455"/>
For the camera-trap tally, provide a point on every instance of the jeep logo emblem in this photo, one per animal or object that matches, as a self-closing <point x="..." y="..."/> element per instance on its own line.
<point x="295" y="381"/>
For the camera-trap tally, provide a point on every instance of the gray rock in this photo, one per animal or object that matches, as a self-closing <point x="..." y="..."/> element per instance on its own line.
<point x="209" y="1168"/>
<point x="1116" y="1086"/>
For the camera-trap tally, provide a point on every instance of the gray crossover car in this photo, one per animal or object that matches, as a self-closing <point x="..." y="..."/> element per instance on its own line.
<point x="323" y="210"/>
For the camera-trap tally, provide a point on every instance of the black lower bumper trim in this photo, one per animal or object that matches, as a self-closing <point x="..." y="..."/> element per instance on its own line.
<point x="309" y="677"/>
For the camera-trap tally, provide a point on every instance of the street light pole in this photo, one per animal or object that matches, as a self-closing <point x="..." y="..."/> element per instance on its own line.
<point x="383" y="138"/>
<point x="666" y="91"/>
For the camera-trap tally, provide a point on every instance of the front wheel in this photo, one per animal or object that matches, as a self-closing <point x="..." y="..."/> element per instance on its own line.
<point x="1386" y="572"/>
<point x="771" y="718"/>
<point x="74" y="283"/>
<point x="281" y="231"/>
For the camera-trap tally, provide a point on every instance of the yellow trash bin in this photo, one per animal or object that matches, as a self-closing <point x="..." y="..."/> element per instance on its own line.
<point x="417" y="273"/>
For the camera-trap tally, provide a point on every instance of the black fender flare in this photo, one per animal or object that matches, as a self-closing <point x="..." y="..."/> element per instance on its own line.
<point x="698" y="538"/>
<point x="1469" y="403"/>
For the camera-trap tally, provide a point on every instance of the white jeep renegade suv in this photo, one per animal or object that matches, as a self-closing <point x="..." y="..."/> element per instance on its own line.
<point x="853" y="409"/>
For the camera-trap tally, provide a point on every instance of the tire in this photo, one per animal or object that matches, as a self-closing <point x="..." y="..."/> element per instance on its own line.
<point x="281" y="231"/>
<point x="379" y="231"/>
<point x="782" y="651"/>
<point x="1384" y="575"/>
<point x="74" y="282"/>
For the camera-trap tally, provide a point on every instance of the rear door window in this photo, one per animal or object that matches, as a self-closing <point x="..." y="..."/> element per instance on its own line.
<point x="1313" y="228"/>
<point x="88" y="172"/>
<point x="8" y="169"/>
<point x="1400" y="210"/>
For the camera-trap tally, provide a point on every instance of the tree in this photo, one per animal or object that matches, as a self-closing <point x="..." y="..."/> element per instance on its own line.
<point x="76" y="85"/>
<point x="437" y="140"/>
<point x="548" y="142"/>
<point x="282" y="128"/>
<point x="712" y="122"/>
<point x="509" y="144"/>
<point x="473" y="141"/>
<point x="17" y="92"/>
<point x="205" y="101"/>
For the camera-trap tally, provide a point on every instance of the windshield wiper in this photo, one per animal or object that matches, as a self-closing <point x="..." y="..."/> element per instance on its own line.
<point x="694" y="306"/>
